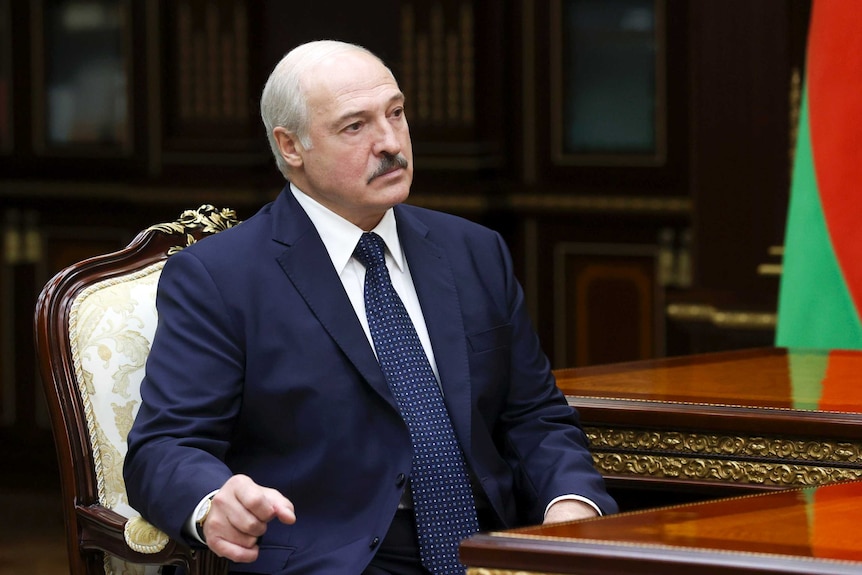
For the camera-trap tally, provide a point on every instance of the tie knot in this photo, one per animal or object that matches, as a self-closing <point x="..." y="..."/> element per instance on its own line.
<point x="370" y="249"/>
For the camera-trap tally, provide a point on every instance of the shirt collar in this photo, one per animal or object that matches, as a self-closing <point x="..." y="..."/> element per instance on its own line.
<point x="340" y="237"/>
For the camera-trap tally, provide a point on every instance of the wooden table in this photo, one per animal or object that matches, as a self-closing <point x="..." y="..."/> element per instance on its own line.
<point x="812" y="530"/>
<point x="758" y="419"/>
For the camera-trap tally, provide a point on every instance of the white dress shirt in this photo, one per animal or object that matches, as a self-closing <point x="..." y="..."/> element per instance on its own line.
<point x="340" y="238"/>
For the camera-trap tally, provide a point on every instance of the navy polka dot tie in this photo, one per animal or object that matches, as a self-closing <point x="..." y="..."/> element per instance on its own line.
<point x="442" y="498"/>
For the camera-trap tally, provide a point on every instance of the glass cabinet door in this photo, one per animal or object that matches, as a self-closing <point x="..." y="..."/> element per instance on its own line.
<point x="85" y="71"/>
<point x="609" y="82"/>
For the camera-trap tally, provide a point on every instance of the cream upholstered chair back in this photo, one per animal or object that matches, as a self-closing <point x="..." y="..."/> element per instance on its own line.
<point x="94" y="325"/>
<point x="111" y="326"/>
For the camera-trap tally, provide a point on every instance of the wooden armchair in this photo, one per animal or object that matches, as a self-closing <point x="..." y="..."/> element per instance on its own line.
<point x="94" y="324"/>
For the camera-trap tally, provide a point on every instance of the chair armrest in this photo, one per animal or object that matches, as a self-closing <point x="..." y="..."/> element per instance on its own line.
<point x="143" y="536"/>
<point x="105" y="530"/>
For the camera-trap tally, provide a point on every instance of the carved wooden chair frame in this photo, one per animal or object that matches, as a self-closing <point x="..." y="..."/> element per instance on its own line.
<point x="95" y="531"/>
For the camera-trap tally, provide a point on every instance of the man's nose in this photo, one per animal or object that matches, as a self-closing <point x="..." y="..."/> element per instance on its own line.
<point x="387" y="141"/>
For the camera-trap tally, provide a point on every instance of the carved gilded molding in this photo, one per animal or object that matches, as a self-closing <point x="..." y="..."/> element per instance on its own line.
<point x="702" y="444"/>
<point x="770" y="269"/>
<point x="206" y="218"/>
<point x="483" y="571"/>
<point x="721" y="470"/>
<point x="768" y="461"/>
<point x="720" y="318"/>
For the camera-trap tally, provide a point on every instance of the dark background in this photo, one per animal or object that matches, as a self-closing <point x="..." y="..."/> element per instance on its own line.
<point x="620" y="259"/>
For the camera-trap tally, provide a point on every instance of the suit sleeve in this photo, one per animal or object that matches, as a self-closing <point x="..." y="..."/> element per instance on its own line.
<point x="190" y="395"/>
<point x="542" y="439"/>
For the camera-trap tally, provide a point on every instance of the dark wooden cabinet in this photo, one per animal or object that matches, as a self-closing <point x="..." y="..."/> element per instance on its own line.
<point x="706" y="205"/>
<point x="635" y="155"/>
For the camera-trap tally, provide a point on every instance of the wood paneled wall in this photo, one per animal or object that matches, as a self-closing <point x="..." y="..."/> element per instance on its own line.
<point x="619" y="261"/>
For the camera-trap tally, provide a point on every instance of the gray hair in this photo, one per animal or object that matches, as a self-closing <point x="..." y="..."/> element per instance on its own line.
<point x="283" y="101"/>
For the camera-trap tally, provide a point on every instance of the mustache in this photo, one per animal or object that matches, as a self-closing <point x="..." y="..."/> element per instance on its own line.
<point x="388" y="163"/>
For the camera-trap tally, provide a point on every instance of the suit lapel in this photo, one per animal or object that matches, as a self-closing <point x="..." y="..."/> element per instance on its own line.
<point x="441" y="307"/>
<point x="306" y="263"/>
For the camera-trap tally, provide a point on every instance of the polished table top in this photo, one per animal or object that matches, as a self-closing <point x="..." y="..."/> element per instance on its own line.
<point x="811" y="530"/>
<point x="781" y="390"/>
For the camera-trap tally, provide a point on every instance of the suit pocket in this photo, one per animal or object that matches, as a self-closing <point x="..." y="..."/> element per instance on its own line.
<point x="490" y="339"/>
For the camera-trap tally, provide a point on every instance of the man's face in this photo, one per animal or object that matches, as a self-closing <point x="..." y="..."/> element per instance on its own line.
<point x="361" y="160"/>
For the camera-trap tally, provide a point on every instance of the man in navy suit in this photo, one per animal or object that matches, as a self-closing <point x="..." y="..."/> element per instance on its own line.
<point x="267" y="429"/>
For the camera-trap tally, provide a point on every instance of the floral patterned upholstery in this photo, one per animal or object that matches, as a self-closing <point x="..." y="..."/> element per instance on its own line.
<point x="111" y="326"/>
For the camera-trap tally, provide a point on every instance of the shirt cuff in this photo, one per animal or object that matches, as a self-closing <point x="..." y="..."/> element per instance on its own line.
<point x="190" y="527"/>
<point x="573" y="498"/>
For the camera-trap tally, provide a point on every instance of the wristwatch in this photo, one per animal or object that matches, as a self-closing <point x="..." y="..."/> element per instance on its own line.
<point x="201" y="516"/>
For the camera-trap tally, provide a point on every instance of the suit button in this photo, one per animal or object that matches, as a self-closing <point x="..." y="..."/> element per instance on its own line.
<point x="374" y="543"/>
<point x="400" y="480"/>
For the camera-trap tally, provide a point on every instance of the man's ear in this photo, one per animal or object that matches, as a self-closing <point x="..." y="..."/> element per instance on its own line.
<point x="289" y="146"/>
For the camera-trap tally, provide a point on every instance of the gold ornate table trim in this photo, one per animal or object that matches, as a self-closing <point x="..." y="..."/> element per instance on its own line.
<point x="741" y="459"/>
<point x="483" y="571"/>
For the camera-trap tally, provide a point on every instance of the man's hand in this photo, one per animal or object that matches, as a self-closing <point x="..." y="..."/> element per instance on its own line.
<point x="569" y="510"/>
<point x="239" y="514"/>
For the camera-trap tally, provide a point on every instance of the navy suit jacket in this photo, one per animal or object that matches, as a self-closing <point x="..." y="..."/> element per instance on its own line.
<point x="260" y="366"/>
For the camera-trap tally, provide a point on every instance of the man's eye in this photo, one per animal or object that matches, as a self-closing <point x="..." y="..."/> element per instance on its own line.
<point x="354" y="127"/>
<point x="398" y="112"/>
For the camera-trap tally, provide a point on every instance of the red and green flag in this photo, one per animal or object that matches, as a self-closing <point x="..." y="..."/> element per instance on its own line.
<point x="821" y="285"/>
